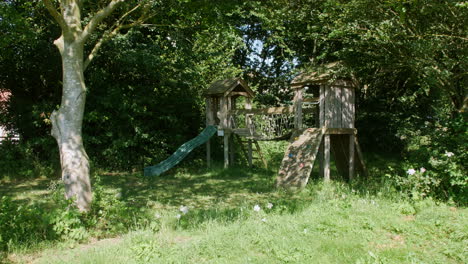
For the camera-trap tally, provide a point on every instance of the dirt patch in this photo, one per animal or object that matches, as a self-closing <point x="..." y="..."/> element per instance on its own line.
<point x="95" y="243"/>
<point x="395" y="241"/>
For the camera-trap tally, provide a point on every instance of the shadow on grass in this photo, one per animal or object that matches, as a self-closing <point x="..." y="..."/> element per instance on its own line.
<point x="196" y="188"/>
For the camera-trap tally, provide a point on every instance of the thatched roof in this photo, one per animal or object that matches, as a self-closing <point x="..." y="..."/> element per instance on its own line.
<point x="225" y="87"/>
<point x="322" y="74"/>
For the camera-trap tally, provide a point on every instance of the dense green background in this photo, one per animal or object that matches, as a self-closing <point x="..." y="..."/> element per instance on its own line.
<point x="145" y="86"/>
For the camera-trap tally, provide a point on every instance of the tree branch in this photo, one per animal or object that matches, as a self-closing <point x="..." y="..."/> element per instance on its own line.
<point x="98" y="17"/>
<point x="111" y="33"/>
<point x="56" y="15"/>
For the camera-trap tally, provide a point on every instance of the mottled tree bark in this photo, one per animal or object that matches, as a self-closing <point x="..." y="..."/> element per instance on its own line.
<point x="68" y="119"/>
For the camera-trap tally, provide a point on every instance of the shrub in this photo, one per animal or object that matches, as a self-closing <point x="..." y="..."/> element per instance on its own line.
<point x="20" y="224"/>
<point x="435" y="160"/>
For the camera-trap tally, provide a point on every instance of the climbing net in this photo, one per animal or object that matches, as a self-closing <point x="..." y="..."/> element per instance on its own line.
<point x="265" y="126"/>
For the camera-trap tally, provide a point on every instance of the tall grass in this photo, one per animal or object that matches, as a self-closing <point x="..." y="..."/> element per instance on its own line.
<point x="198" y="215"/>
<point x="330" y="224"/>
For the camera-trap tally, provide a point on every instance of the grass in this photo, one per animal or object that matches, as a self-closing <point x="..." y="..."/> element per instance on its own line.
<point x="364" y="222"/>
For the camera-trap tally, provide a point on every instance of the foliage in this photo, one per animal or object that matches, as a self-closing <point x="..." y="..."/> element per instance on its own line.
<point x="20" y="160"/>
<point x="20" y="224"/>
<point x="438" y="153"/>
<point x="334" y="223"/>
<point x="57" y="219"/>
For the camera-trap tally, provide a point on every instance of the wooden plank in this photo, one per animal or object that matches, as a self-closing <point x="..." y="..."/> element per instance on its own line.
<point x="264" y="111"/>
<point x="340" y="131"/>
<point x="347" y="114"/>
<point x="321" y="154"/>
<point x="299" y="159"/>
<point x="269" y="110"/>
<point x="322" y="106"/>
<point x="260" y="154"/>
<point x="227" y="109"/>
<point x="298" y="108"/>
<point x="328" y="107"/>
<point x="326" y="158"/>
<point x="311" y="100"/>
<point x="336" y="107"/>
<point x="222" y="113"/>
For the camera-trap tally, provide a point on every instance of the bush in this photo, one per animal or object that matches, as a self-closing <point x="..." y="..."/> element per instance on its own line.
<point x="21" y="224"/>
<point x="436" y="154"/>
<point x="21" y="160"/>
<point x="30" y="224"/>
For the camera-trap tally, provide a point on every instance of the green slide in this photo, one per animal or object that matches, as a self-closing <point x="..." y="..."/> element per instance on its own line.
<point x="181" y="153"/>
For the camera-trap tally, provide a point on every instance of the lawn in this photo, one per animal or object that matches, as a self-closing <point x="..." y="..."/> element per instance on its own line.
<point x="196" y="215"/>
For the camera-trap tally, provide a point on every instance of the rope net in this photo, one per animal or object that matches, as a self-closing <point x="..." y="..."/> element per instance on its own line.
<point x="265" y="127"/>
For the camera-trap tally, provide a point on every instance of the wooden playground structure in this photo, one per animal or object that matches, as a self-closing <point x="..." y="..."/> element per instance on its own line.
<point x="319" y="124"/>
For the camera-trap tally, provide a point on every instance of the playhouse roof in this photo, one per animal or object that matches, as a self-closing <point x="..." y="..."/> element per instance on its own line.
<point x="322" y="74"/>
<point x="227" y="86"/>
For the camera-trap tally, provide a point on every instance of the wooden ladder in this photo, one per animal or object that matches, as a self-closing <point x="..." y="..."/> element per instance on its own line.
<point x="248" y="152"/>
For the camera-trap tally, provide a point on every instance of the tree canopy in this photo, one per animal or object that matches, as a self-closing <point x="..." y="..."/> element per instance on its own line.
<point x="146" y="81"/>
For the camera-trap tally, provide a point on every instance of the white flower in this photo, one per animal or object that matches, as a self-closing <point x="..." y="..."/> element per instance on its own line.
<point x="448" y="154"/>
<point x="157" y="215"/>
<point x="118" y="195"/>
<point x="264" y="220"/>
<point x="422" y="170"/>
<point x="257" y="208"/>
<point x="184" y="209"/>
<point x="411" y="171"/>
<point x="269" y="205"/>
<point x="178" y="216"/>
<point x="305" y="230"/>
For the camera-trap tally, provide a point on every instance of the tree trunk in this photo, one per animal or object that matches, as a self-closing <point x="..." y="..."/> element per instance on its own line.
<point x="68" y="119"/>
<point x="67" y="124"/>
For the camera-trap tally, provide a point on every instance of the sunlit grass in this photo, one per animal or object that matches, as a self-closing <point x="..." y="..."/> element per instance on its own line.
<point x="366" y="221"/>
<point x="333" y="226"/>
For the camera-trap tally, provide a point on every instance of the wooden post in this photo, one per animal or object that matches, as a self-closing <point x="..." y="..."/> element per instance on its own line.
<point x="231" y="105"/>
<point x="224" y="124"/>
<point x="326" y="165"/>
<point x="321" y="119"/>
<point x="226" y="149"/>
<point x="232" y="152"/>
<point x="248" y="125"/>
<point x="249" y="158"/>
<point x="298" y="108"/>
<point x="209" y="121"/>
<point x="351" y="157"/>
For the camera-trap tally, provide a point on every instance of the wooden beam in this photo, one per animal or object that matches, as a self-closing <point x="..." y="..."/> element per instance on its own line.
<point x="226" y="149"/>
<point x="239" y="93"/>
<point x="268" y="111"/>
<point x="351" y="157"/>
<point x="332" y="131"/>
<point x="249" y="156"/>
<point x="322" y="106"/>
<point x="209" y="121"/>
<point x="326" y="162"/>
<point x="298" y="109"/>
<point x="260" y="154"/>
<point x="340" y="131"/>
